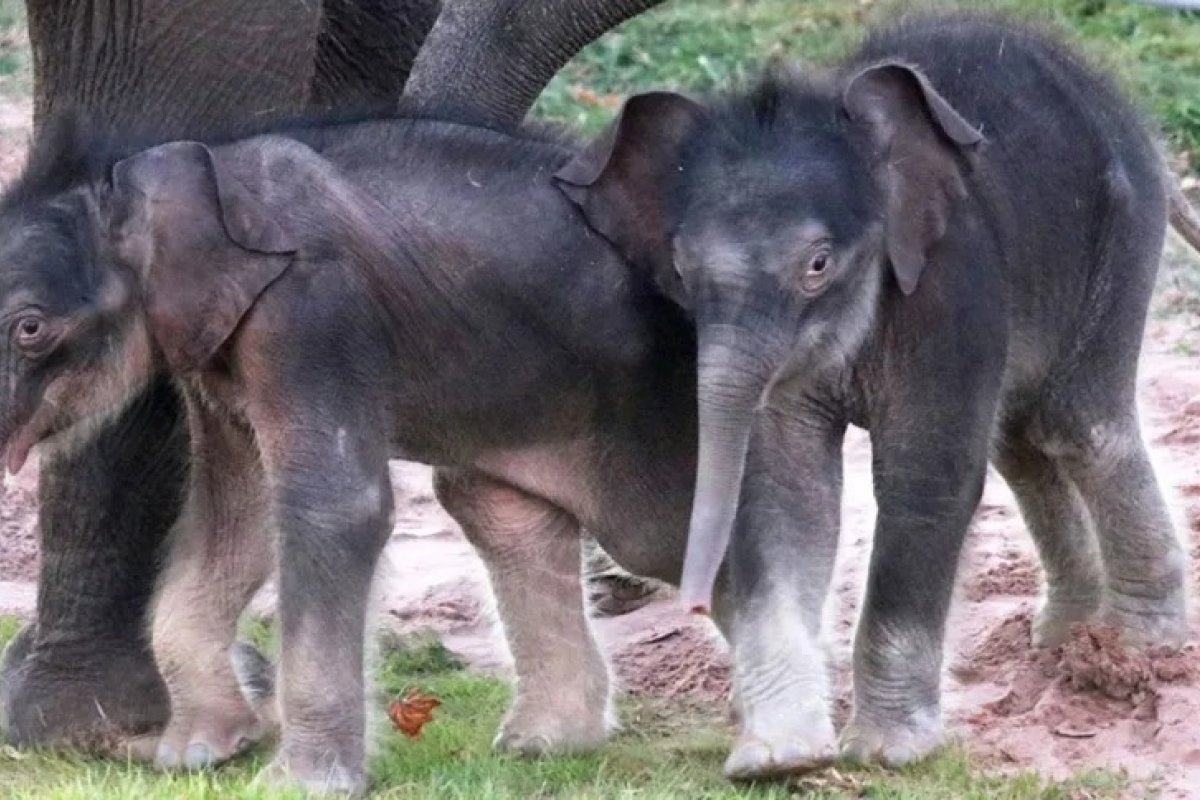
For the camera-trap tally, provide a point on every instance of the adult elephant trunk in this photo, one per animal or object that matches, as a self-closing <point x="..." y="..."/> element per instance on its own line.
<point x="731" y="379"/>
<point x="485" y="62"/>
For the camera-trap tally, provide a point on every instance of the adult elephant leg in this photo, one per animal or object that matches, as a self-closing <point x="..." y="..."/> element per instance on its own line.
<point x="365" y="50"/>
<point x="779" y="566"/>
<point x="174" y="68"/>
<point x="531" y="550"/>
<point x="84" y="670"/>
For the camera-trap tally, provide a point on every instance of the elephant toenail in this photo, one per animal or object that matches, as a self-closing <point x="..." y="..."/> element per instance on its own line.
<point x="197" y="756"/>
<point x="167" y="757"/>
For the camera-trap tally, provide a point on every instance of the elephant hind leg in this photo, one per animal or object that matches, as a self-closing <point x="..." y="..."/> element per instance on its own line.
<point x="1061" y="526"/>
<point x="1087" y="421"/>
<point x="532" y="552"/>
<point x="220" y="555"/>
<point x="1145" y="564"/>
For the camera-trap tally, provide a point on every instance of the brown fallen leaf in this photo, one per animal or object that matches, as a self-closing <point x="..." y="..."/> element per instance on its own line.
<point x="411" y="712"/>
<point x="830" y="778"/>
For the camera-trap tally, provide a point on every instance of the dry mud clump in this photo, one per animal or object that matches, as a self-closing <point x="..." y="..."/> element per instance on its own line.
<point x="1091" y="702"/>
<point x="674" y="661"/>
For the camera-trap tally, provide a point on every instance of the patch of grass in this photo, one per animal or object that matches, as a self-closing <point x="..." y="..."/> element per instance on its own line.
<point x="668" y="749"/>
<point x="699" y="45"/>
<point x="260" y="633"/>
<point x="16" y="67"/>
<point x="8" y="629"/>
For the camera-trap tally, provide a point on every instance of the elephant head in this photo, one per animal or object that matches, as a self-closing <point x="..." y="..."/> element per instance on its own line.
<point x="777" y="219"/>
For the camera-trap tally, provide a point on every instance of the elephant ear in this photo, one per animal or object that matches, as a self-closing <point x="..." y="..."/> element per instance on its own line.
<point x="622" y="179"/>
<point x="919" y="136"/>
<point x="205" y="246"/>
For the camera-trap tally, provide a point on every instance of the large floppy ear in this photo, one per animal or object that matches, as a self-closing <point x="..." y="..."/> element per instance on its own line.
<point x="919" y="137"/>
<point x="622" y="179"/>
<point x="205" y="246"/>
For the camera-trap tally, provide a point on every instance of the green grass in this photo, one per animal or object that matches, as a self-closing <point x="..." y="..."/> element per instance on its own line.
<point x="16" y="77"/>
<point x="666" y="750"/>
<point x="699" y="45"/>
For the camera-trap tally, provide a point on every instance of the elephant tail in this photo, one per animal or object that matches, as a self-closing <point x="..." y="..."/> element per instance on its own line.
<point x="1184" y="218"/>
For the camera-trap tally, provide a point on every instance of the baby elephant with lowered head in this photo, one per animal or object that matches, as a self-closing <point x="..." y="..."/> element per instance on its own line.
<point x="950" y="240"/>
<point x="324" y="298"/>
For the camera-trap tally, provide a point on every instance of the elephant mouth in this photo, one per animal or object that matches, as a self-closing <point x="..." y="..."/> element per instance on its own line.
<point x="16" y="453"/>
<point x="25" y="437"/>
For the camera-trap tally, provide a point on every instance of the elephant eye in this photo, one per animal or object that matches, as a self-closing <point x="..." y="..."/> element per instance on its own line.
<point x="31" y="331"/>
<point x="817" y="272"/>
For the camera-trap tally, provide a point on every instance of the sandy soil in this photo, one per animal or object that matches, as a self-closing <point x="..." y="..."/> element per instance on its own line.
<point x="1089" y="704"/>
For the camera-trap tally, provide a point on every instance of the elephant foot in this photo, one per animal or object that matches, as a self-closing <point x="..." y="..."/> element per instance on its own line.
<point x="316" y="772"/>
<point x="204" y="742"/>
<point x="90" y="694"/>
<point x="532" y="732"/>
<point x="143" y="749"/>
<point x="806" y="747"/>
<point x="1053" y="624"/>
<point x="222" y="728"/>
<point x="1145" y="623"/>
<point x="894" y="742"/>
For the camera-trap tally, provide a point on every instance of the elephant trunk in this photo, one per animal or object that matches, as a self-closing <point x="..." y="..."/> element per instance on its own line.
<point x="486" y="62"/>
<point x="731" y="380"/>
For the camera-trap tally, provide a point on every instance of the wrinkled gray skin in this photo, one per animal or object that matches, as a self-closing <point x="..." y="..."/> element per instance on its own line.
<point x="545" y="32"/>
<point x="82" y="673"/>
<point x="342" y="281"/>
<point x="904" y="245"/>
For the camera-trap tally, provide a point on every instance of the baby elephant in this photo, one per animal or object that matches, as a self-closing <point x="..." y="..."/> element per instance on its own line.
<point x="289" y="420"/>
<point x="951" y="241"/>
<point x="325" y="297"/>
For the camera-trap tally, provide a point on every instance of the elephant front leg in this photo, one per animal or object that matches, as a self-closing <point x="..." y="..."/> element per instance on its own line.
<point x="333" y="506"/>
<point x="532" y="552"/>
<point x="220" y="555"/>
<point x="927" y="486"/>
<point x="778" y="574"/>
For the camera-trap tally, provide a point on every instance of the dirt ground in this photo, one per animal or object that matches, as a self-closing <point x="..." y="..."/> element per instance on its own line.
<point x="1089" y="704"/>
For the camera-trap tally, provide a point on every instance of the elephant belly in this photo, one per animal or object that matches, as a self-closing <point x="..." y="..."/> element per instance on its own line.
<point x="638" y="514"/>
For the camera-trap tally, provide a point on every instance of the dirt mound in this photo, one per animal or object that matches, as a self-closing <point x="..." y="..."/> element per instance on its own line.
<point x="674" y="661"/>
<point x="1185" y="425"/>
<point x="1091" y="703"/>
<point x="1019" y="576"/>
<point x="997" y="649"/>
<point x="1095" y="660"/>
